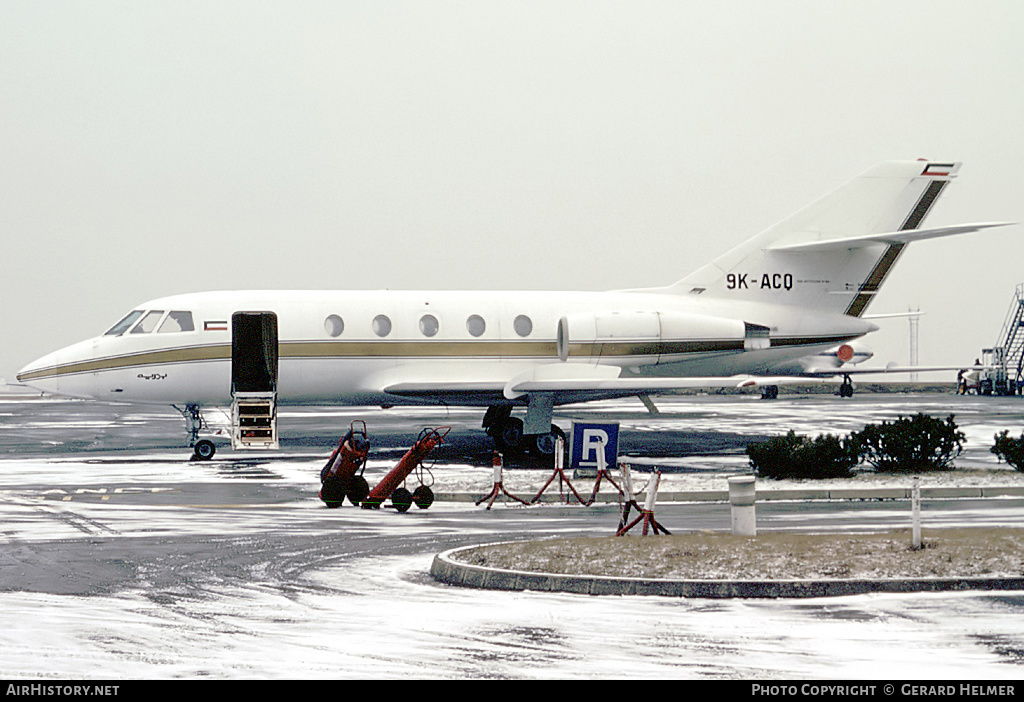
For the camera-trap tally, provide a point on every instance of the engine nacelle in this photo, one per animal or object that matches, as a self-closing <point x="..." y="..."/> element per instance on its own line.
<point x="852" y="353"/>
<point x="644" y="337"/>
<point x="848" y="354"/>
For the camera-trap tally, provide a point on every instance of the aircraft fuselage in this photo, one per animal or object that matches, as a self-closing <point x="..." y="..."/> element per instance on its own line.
<point x="353" y="347"/>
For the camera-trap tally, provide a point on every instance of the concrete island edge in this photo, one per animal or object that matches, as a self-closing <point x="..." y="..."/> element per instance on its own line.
<point x="445" y="568"/>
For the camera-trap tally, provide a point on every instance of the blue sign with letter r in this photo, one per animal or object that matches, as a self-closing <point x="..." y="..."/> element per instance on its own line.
<point x="587" y="439"/>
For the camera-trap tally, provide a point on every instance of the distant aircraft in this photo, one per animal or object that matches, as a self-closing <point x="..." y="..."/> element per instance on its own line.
<point x="757" y="315"/>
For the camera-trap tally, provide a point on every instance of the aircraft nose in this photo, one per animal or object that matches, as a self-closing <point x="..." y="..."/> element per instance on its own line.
<point x="41" y="374"/>
<point x="63" y="372"/>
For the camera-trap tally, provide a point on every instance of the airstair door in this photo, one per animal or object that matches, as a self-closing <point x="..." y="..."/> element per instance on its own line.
<point x="254" y="362"/>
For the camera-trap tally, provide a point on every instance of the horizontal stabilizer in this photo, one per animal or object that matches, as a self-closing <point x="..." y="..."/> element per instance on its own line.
<point x="893" y="315"/>
<point x="902" y="237"/>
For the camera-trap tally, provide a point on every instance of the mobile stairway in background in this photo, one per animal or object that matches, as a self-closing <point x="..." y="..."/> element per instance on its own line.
<point x="1005" y="374"/>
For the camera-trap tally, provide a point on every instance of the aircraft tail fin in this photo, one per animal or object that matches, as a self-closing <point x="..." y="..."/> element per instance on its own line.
<point x="834" y="254"/>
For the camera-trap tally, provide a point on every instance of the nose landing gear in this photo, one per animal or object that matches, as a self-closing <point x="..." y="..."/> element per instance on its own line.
<point x="202" y="449"/>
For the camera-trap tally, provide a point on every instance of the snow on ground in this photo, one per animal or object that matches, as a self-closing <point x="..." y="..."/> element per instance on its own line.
<point x="381" y="616"/>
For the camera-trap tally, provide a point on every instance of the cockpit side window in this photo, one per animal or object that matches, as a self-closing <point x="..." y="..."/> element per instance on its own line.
<point x="122" y="326"/>
<point x="177" y="321"/>
<point x="148" y="322"/>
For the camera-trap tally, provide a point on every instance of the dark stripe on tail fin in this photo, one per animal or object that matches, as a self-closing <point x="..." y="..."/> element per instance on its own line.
<point x="924" y="204"/>
<point x="878" y="274"/>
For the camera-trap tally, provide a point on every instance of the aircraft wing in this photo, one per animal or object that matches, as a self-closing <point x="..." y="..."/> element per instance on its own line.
<point x="570" y="382"/>
<point x="568" y="390"/>
<point x="453" y="391"/>
<point x="892" y="369"/>
<point x="581" y="390"/>
<point x="573" y="386"/>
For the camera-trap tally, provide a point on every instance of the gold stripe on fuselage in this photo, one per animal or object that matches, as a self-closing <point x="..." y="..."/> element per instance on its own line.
<point x="439" y="350"/>
<point x="183" y="354"/>
<point x="416" y="349"/>
<point x="307" y="349"/>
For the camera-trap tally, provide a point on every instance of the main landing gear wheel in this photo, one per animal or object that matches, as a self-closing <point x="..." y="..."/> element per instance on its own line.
<point x="544" y="444"/>
<point x="203" y="450"/>
<point x="509" y="438"/>
<point x="846" y="389"/>
<point x="508" y="435"/>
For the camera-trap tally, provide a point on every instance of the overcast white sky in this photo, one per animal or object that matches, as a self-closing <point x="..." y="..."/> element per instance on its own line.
<point x="152" y="148"/>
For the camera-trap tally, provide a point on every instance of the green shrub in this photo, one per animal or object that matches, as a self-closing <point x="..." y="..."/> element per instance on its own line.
<point x="1010" y="450"/>
<point x="793" y="456"/>
<point x="910" y="445"/>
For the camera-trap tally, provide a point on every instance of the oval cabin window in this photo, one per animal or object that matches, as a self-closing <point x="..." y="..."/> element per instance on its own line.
<point x="381" y="325"/>
<point x="429" y="325"/>
<point x="476" y="325"/>
<point x="334" y="325"/>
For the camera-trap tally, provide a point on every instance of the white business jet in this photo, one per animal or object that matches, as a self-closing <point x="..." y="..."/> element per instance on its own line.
<point x="771" y="308"/>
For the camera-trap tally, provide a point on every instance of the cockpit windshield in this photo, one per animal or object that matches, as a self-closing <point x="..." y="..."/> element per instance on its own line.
<point x="148" y="322"/>
<point x="143" y="322"/>
<point x="177" y="321"/>
<point x="123" y="326"/>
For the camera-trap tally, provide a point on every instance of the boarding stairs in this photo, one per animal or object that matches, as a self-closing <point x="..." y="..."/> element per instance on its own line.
<point x="254" y="420"/>
<point x="254" y="361"/>
<point x="1006" y="374"/>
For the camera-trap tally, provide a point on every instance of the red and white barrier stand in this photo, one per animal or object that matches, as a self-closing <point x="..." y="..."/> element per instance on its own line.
<point x="402" y="499"/>
<point x="499" y="486"/>
<point x="647" y="513"/>
<point x="628" y="498"/>
<point x="602" y="474"/>
<point x="560" y="474"/>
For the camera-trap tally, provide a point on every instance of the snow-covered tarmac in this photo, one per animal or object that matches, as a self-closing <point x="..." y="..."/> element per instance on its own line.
<point x="138" y="564"/>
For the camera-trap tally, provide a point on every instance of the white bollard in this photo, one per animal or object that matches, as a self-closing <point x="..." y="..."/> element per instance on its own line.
<point x="496" y="467"/>
<point x="627" y="483"/>
<point x="652" y="493"/>
<point x="915" y="509"/>
<point x="741" y="501"/>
